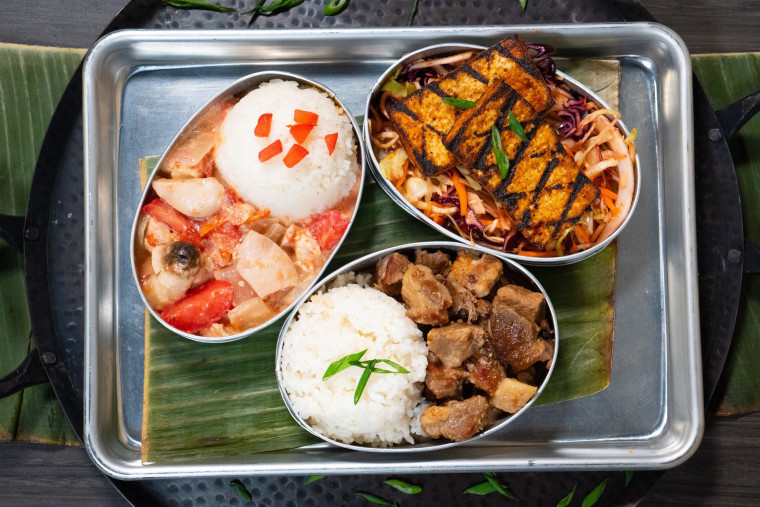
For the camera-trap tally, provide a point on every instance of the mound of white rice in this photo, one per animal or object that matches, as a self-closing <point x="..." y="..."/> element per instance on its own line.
<point x="343" y="321"/>
<point x="314" y="184"/>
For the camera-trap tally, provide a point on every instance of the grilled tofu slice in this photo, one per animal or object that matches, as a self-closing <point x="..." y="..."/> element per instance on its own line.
<point x="544" y="191"/>
<point x="423" y="120"/>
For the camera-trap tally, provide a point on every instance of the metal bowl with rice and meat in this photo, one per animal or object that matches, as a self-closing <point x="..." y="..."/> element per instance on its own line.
<point x="558" y="185"/>
<point x="418" y="347"/>
<point x="247" y="206"/>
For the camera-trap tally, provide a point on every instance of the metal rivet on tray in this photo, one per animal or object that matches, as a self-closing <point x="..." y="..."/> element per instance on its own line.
<point x="715" y="134"/>
<point x="32" y="233"/>
<point x="734" y="256"/>
<point x="48" y="358"/>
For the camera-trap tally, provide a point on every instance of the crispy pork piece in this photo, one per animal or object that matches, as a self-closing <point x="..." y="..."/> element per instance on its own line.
<point x="427" y="300"/>
<point x="390" y="271"/>
<point x="529" y="304"/>
<point x="484" y="370"/>
<point x="512" y="395"/>
<point x="544" y="191"/>
<point x="463" y="303"/>
<point x="456" y="420"/>
<point x="422" y="119"/>
<point x="476" y="274"/>
<point x="444" y="382"/>
<point x="438" y="262"/>
<point x="514" y="338"/>
<point x="456" y="342"/>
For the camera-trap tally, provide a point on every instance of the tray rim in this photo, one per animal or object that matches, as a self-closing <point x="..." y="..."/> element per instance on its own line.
<point x="678" y="443"/>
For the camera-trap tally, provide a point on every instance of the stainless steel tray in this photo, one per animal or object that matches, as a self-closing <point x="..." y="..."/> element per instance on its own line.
<point x="141" y="87"/>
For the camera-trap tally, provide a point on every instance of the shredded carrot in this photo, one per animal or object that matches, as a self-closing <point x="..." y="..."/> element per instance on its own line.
<point x="439" y="219"/>
<point x="503" y="217"/>
<point x="611" y="205"/>
<point x="399" y="183"/>
<point x="531" y="253"/>
<point x="609" y="193"/>
<point x="582" y="236"/>
<point x="568" y="150"/>
<point x="461" y="192"/>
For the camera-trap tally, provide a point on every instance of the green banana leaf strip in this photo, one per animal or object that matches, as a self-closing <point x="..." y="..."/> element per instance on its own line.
<point x="241" y="409"/>
<point x="32" y="80"/>
<point x="727" y="78"/>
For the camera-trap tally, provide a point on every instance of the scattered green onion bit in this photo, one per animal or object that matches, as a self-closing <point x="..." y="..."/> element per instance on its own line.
<point x="372" y="498"/>
<point x="359" y="120"/>
<point x="242" y="491"/>
<point x="313" y="478"/>
<point x="198" y="4"/>
<point x="369" y="368"/>
<point x="482" y="488"/>
<point x="499" y="486"/>
<point x="523" y="3"/>
<point x="404" y="487"/>
<point x="334" y="7"/>
<point x="566" y="501"/>
<point x="341" y="364"/>
<point x="498" y="152"/>
<point x="594" y="496"/>
<point x="516" y="127"/>
<point x="413" y="14"/>
<point x="460" y="103"/>
<point x="628" y="477"/>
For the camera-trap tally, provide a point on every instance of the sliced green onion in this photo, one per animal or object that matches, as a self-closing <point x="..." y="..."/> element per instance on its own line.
<point x="374" y="499"/>
<point x="241" y="489"/>
<point x="498" y="152"/>
<point x="341" y="364"/>
<point x="483" y="488"/>
<point x="414" y="13"/>
<point x="516" y="127"/>
<point x="460" y="103"/>
<point x="499" y="486"/>
<point x="363" y="381"/>
<point x="334" y="7"/>
<point x="523" y="3"/>
<point x="594" y="496"/>
<point x="566" y="501"/>
<point x="404" y="487"/>
<point x="628" y="476"/>
<point x="198" y="4"/>
<point x="313" y="478"/>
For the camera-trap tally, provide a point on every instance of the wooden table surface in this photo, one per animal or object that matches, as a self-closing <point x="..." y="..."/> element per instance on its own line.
<point x="725" y="469"/>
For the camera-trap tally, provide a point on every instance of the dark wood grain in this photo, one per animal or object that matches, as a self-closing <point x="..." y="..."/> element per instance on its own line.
<point x="725" y="469"/>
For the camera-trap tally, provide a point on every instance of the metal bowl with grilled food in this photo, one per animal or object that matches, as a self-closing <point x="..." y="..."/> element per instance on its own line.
<point x="417" y="347"/>
<point x="496" y="147"/>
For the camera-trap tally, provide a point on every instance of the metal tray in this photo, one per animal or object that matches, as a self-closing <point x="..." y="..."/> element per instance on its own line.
<point x="141" y="87"/>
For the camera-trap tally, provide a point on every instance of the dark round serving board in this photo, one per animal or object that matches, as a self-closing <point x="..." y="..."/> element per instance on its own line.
<point x="59" y="320"/>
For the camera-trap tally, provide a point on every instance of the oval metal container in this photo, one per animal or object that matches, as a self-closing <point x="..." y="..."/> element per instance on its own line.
<point x="398" y="198"/>
<point x="515" y="273"/>
<point x="239" y="88"/>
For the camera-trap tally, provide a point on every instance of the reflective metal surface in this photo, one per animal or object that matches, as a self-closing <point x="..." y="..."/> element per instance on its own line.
<point x="513" y="271"/>
<point x="142" y="86"/>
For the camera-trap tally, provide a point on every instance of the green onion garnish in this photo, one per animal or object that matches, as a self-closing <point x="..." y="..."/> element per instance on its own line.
<point x="242" y="491"/>
<point x="482" y="488"/>
<point x="499" y="486"/>
<point x="498" y="152"/>
<point x="566" y="501"/>
<point x="198" y="4"/>
<point x="363" y="381"/>
<point x="334" y="7"/>
<point x="313" y="478"/>
<point x="628" y="476"/>
<point x="460" y="103"/>
<point x="516" y="127"/>
<point x="404" y="487"/>
<point x="372" y="498"/>
<point x="594" y="496"/>
<point x="341" y="364"/>
<point x="523" y="3"/>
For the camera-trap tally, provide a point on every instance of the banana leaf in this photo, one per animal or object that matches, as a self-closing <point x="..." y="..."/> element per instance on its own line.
<point x="727" y="78"/>
<point x="32" y="80"/>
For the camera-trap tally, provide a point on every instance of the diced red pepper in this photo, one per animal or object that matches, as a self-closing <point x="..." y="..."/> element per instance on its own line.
<point x="263" y="126"/>
<point x="295" y="154"/>
<point x="270" y="151"/>
<point x="305" y="117"/>
<point x="176" y="221"/>
<point x="331" y="140"/>
<point x="328" y="227"/>
<point x="201" y="307"/>
<point x="300" y="132"/>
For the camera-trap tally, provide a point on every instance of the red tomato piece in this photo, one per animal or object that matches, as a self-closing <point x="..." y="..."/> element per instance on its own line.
<point x="300" y="132"/>
<point x="328" y="227"/>
<point x="295" y="154"/>
<point x="201" y="307"/>
<point x="270" y="151"/>
<point x="176" y="221"/>
<point x="305" y="117"/>
<point x="263" y="126"/>
<point x="331" y="140"/>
